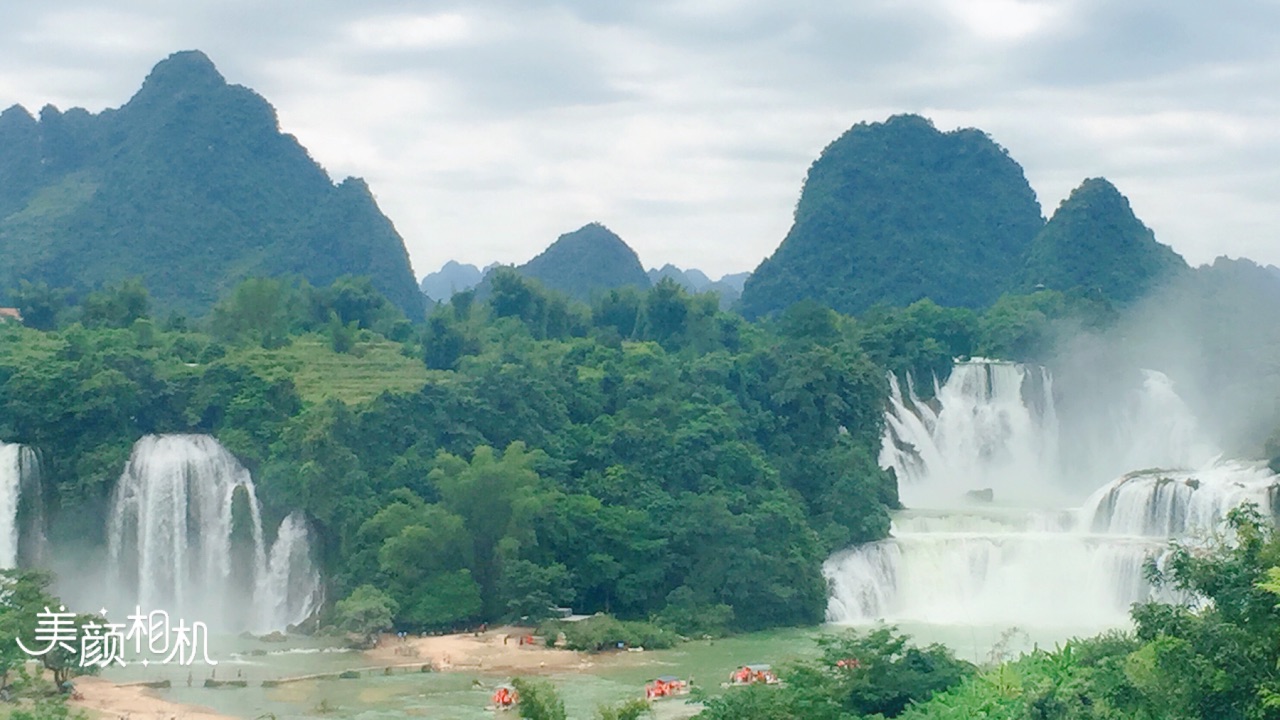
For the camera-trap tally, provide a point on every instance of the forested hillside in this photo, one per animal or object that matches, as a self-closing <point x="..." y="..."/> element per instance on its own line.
<point x="587" y="261"/>
<point x="190" y="186"/>
<point x="1095" y="242"/>
<point x="897" y="211"/>
<point x="648" y="455"/>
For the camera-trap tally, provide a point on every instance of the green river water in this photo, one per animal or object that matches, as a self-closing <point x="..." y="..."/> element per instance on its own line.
<point x="464" y="695"/>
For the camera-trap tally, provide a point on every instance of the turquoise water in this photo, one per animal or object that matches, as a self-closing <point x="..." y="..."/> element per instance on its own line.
<point x="464" y="695"/>
<point x="612" y="678"/>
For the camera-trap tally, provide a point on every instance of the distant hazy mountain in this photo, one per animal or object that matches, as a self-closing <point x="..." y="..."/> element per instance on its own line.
<point x="454" y="277"/>
<point x="191" y="186"/>
<point x="586" y="261"/>
<point x="729" y="287"/>
<point x="735" y="280"/>
<point x="1220" y="326"/>
<point x="897" y="211"/>
<point x="1095" y="242"/>
<point x="693" y="280"/>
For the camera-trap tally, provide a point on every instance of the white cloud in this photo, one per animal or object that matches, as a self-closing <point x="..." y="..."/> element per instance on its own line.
<point x="393" y="32"/>
<point x="488" y="128"/>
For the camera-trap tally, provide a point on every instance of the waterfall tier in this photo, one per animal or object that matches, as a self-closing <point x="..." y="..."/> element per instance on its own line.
<point x="992" y="425"/>
<point x="290" y="591"/>
<point x="185" y="535"/>
<point x="22" y="540"/>
<point x="996" y="426"/>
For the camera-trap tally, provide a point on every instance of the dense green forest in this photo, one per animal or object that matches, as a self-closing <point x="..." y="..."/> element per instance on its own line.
<point x="648" y="455"/>
<point x="896" y="212"/>
<point x="1095" y="242"/>
<point x="191" y="186"/>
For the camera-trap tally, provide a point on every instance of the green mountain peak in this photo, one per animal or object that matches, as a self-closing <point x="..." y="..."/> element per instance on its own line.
<point x="189" y="185"/>
<point x="897" y="211"/>
<point x="588" y="260"/>
<point x="1095" y="242"/>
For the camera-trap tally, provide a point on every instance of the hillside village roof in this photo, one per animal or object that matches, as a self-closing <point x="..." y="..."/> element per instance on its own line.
<point x="10" y="314"/>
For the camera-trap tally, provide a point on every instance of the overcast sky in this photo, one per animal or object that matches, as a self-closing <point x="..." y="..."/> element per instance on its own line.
<point x="488" y="128"/>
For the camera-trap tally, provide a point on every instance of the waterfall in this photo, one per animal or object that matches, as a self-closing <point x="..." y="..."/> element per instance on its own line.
<point x="185" y="533"/>
<point x="1173" y="503"/>
<point x="290" y="590"/>
<point x="995" y="427"/>
<point x="1008" y="560"/>
<point x="22" y="537"/>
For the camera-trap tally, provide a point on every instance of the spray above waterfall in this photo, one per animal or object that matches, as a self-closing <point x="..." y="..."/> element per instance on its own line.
<point x="185" y="535"/>
<point x="1079" y="564"/>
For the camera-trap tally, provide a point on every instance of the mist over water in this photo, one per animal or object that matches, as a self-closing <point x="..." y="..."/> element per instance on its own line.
<point x="1022" y="513"/>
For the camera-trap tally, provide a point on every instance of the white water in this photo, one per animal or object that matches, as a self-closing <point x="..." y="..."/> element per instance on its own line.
<point x="992" y="425"/>
<point x="995" y="426"/>
<point x="21" y="521"/>
<point x="290" y="590"/>
<point x="175" y="542"/>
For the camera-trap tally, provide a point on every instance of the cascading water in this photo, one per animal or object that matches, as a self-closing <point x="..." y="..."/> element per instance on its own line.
<point x="994" y="426"/>
<point x="290" y="591"/>
<point x="185" y="535"/>
<point x="21" y="516"/>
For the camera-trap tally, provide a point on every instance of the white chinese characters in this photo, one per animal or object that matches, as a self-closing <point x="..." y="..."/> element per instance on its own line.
<point x="102" y="644"/>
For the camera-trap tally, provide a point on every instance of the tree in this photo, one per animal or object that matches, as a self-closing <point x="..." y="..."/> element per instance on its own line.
<point x="497" y="497"/>
<point x="858" y="674"/>
<point x="116" y="306"/>
<point x="446" y="340"/>
<point x="533" y="591"/>
<point x="24" y="596"/>
<point x="260" y="310"/>
<point x="367" y="611"/>
<point x="39" y="304"/>
<point x="538" y="700"/>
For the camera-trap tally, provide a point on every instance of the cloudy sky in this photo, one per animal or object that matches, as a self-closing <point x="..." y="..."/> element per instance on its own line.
<point x="487" y="128"/>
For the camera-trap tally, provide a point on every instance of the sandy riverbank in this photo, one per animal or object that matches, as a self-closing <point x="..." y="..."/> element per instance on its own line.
<point x="108" y="701"/>
<point x="497" y="650"/>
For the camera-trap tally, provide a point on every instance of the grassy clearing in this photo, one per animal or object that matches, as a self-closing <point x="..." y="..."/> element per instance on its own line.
<point x="372" y="367"/>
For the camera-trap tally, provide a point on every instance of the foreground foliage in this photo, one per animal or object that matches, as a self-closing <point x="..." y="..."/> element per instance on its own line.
<point x="873" y="674"/>
<point x="1213" y="658"/>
